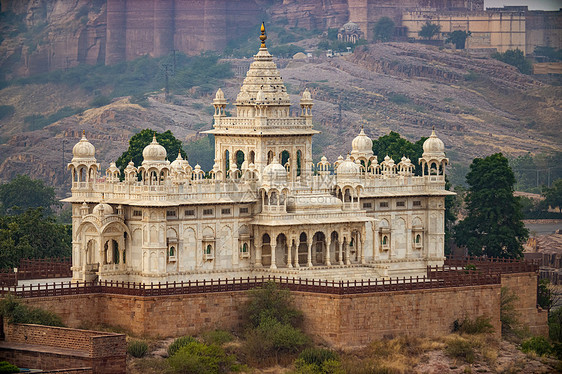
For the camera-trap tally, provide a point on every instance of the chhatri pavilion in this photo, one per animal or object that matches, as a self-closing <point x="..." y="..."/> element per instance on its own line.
<point x="265" y="208"/>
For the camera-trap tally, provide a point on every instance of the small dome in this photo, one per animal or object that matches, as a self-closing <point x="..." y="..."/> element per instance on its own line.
<point x="113" y="168"/>
<point x="130" y="167"/>
<point x="433" y="145"/>
<point x="275" y="171"/>
<point x="102" y="208"/>
<point x="260" y="97"/>
<point x="84" y="149"/>
<point x="351" y="26"/>
<point x="362" y="144"/>
<point x="348" y="167"/>
<point x="154" y="151"/>
<point x="219" y="95"/>
<point x="306" y="96"/>
<point x="179" y="163"/>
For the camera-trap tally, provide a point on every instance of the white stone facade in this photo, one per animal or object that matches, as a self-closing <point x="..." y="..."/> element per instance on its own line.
<point x="264" y="209"/>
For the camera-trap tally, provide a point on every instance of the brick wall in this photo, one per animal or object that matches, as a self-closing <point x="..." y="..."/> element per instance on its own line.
<point x="340" y="320"/>
<point x="524" y="285"/>
<point x="47" y="347"/>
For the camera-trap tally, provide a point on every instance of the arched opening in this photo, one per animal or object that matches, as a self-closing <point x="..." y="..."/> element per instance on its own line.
<point x="418" y="239"/>
<point x="266" y="250"/>
<point x="334" y="247"/>
<point x="299" y="161"/>
<point x="172" y="251"/>
<point x="252" y="157"/>
<point x="115" y="246"/>
<point x="285" y="156"/>
<point x="274" y="198"/>
<point x="281" y="250"/>
<point x="319" y="248"/>
<point x="303" y="248"/>
<point x="226" y="161"/>
<point x="239" y="159"/>
<point x="269" y="157"/>
<point x="106" y="253"/>
<point x="90" y="251"/>
<point x="347" y="196"/>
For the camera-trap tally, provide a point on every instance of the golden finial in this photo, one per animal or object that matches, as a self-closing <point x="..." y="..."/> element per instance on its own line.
<point x="83" y="132"/>
<point x="263" y="37"/>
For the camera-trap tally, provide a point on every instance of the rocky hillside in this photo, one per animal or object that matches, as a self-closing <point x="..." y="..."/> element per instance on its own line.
<point x="478" y="106"/>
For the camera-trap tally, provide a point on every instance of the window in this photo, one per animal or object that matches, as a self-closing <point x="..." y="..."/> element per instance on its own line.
<point x="208" y="252"/>
<point x="225" y="211"/>
<point x="385" y="242"/>
<point x="172" y="252"/>
<point x="367" y="205"/>
<point x="244" y="248"/>
<point x="417" y="203"/>
<point x="243" y="210"/>
<point x="400" y="203"/>
<point x="137" y="213"/>
<point x="383" y="204"/>
<point x="189" y="213"/>
<point x="170" y="213"/>
<point x="207" y="212"/>
<point x="418" y="241"/>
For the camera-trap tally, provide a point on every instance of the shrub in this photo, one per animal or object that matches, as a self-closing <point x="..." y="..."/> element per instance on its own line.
<point x="399" y="98"/>
<point x="480" y="325"/>
<point x="272" y="302"/>
<point x="508" y="316"/>
<point x="555" y="325"/>
<point x="461" y="349"/>
<point x="16" y="312"/>
<point x="318" y="360"/>
<point x="137" y="348"/>
<point x="179" y="343"/>
<point x="537" y="344"/>
<point x="100" y="101"/>
<point x="218" y="337"/>
<point x="6" y="368"/>
<point x="200" y="358"/>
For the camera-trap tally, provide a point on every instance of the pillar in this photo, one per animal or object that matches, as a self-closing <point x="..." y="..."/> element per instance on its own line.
<point x="341" y="252"/>
<point x="362" y="249"/>
<point x="273" y="246"/>
<point x="258" y="246"/>
<point x="289" y="250"/>
<point x="327" y="260"/>
<point x="309" y="257"/>
<point x="347" y="254"/>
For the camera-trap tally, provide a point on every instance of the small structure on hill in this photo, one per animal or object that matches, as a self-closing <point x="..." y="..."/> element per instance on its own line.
<point x="350" y="32"/>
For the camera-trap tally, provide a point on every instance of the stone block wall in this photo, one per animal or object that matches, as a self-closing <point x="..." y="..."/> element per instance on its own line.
<point x="524" y="285"/>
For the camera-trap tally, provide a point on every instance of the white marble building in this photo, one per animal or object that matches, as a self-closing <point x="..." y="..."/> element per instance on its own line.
<point x="276" y="212"/>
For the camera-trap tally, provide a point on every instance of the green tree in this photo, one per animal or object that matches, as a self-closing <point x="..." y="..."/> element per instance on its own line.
<point x="493" y="225"/>
<point x="452" y="207"/>
<point x="22" y="193"/>
<point x="139" y="141"/>
<point x="549" y="53"/>
<point x="31" y="235"/>
<point x="384" y="29"/>
<point x="458" y="38"/>
<point x="202" y="152"/>
<point x="515" y="58"/>
<point x="429" y="30"/>
<point x="553" y="195"/>
<point x="396" y="147"/>
<point x="525" y="170"/>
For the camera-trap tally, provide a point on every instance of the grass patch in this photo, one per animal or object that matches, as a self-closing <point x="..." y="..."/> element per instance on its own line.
<point x="218" y="337"/>
<point x="479" y="325"/>
<point x="399" y="99"/>
<point x="137" y="348"/>
<point x="179" y="343"/>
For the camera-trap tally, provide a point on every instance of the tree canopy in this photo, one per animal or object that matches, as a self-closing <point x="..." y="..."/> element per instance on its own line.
<point x="144" y="138"/>
<point x="31" y="235"/>
<point x="395" y="146"/>
<point x="493" y="225"/>
<point x="458" y="38"/>
<point x="429" y="30"/>
<point x="515" y="57"/>
<point x="384" y="29"/>
<point x="553" y="195"/>
<point x="22" y="193"/>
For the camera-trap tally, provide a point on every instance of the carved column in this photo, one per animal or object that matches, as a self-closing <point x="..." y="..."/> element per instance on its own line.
<point x="289" y="250"/>
<point x="341" y="251"/>
<point x="309" y="257"/>
<point x="347" y="254"/>
<point x="258" y="246"/>
<point x="273" y="246"/>
<point x="327" y="260"/>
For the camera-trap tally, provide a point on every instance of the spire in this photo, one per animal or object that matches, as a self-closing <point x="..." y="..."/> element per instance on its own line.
<point x="263" y="36"/>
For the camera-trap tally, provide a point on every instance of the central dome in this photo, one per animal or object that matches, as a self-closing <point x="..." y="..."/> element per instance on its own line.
<point x="154" y="151"/>
<point x="433" y="145"/>
<point x="362" y="145"/>
<point x="83" y="149"/>
<point x="348" y="168"/>
<point x="274" y="172"/>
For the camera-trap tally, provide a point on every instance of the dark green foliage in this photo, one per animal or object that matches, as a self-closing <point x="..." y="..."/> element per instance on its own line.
<point x="272" y="338"/>
<point x="555" y="325"/>
<point x="493" y="225"/>
<point x="538" y="344"/>
<point x="22" y="193"/>
<point x="508" y="316"/>
<point x="38" y="121"/>
<point x="6" y="111"/>
<point x="429" y="30"/>
<point x="479" y="325"/>
<point x="462" y="349"/>
<point x="285" y="50"/>
<point x="515" y="58"/>
<point x="7" y="368"/>
<point x="202" y="152"/>
<point x="533" y="172"/>
<point x="199" y="358"/>
<point x="218" y="337"/>
<point x="271" y="302"/>
<point x="100" y="101"/>
<point x="544" y="296"/>
<point x="458" y="38"/>
<point x="137" y="348"/>
<point x="332" y="33"/>
<point x="179" y="343"/>
<point x="31" y="235"/>
<point x="139" y="141"/>
<point x="452" y="207"/>
<point x="548" y="53"/>
<point x="399" y="99"/>
<point x="395" y="146"/>
<point x="16" y="312"/>
<point x="553" y="195"/>
<point x="384" y="29"/>
<point x="318" y="361"/>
